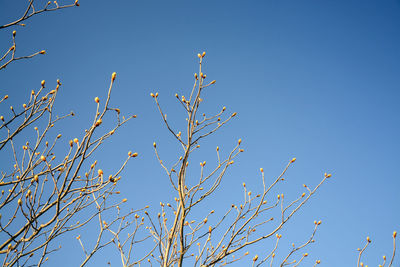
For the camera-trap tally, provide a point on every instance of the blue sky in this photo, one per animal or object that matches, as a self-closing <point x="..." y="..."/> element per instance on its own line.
<point x="315" y="80"/>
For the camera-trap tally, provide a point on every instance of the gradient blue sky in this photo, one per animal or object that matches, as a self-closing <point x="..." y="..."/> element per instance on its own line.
<point x="316" y="80"/>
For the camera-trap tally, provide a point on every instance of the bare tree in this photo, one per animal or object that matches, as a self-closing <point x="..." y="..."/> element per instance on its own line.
<point x="50" y="187"/>
<point x="180" y="237"/>
<point x="43" y="195"/>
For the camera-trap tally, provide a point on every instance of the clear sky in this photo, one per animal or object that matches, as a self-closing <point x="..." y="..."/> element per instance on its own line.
<point x="315" y="80"/>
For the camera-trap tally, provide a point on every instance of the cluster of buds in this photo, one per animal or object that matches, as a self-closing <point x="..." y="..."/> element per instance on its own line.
<point x="154" y="95"/>
<point x="201" y="55"/>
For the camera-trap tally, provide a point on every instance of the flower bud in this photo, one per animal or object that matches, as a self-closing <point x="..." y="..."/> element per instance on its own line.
<point x="98" y="122"/>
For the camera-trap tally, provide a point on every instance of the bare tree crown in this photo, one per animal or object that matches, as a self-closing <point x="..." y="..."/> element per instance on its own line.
<point x="51" y="186"/>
